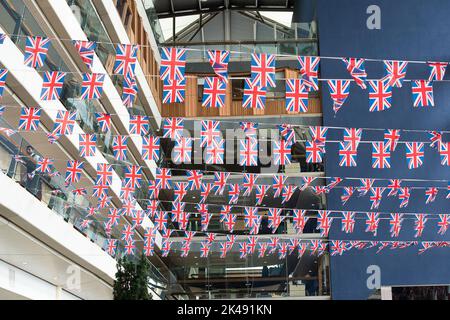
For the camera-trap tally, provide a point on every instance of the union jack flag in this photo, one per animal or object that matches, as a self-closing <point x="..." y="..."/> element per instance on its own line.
<point x="3" y="76"/>
<point x="73" y="171"/>
<point x="104" y="174"/>
<point x="376" y="196"/>
<point x="153" y="190"/>
<point x="444" y="222"/>
<point x="391" y="138"/>
<point x="306" y="182"/>
<point x="204" y="220"/>
<point x="405" y="194"/>
<point x="393" y="187"/>
<point x="372" y="221"/>
<point x="396" y="224"/>
<point x="173" y="63"/>
<point x="319" y="134"/>
<point x="174" y="91"/>
<point x="111" y="247"/>
<point x="288" y="192"/>
<point x="435" y="139"/>
<point x="152" y="207"/>
<point x="287" y="132"/>
<point x="250" y="128"/>
<point x="165" y="247"/>
<point x="380" y="95"/>
<point x="29" y="119"/>
<point x="194" y="178"/>
<point x="261" y="191"/>
<point x="64" y="123"/>
<point x="357" y="70"/>
<point x="181" y="152"/>
<point x="44" y="165"/>
<point x="86" y="49"/>
<point x="296" y="96"/>
<point x="299" y="220"/>
<point x="150" y="148"/>
<point x="130" y="247"/>
<point x="149" y="241"/>
<point x="444" y="151"/>
<point x="263" y="69"/>
<point x="347" y="155"/>
<point x="346" y="194"/>
<point x="278" y="183"/>
<point x="2" y="38"/>
<point x="422" y="92"/>
<point x="173" y="128"/>
<point x="419" y="224"/>
<point x="219" y="62"/>
<point x="205" y="189"/>
<point x="210" y="132"/>
<point x="313" y="152"/>
<point x="119" y="147"/>
<point x="348" y="222"/>
<point x="104" y="121"/>
<point x="381" y="155"/>
<point x="233" y="193"/>
<point x="129" y="91"/>
<point x="274" y="218"/>
<point x="338" y="247"/>
<point x="262" y="249"/>
<point x="214" y="91"/>
<point x="251" y="244"/>
<point x="52" y="85"/>
<point x="133" y="176"/>
<point x="282" y="250"/>
<point x="339" y="91"/>
<point x="92" y="86"/>
<point x="215" y="152"/>
<point x="248" y="152"/>
<point x="36" y="49"/>
<point x="414" y="154"/>
<point x="248" y="183"/>
<point x="229" y="221"/>
<point x="250" y="215"/>
<point x="254" y="97"/>
<point x="431" y="194"/>
<point x="205" y="248"/>
<point x="126" y="57"/>
<point x="437" y="70"/>
<point x="281" y="152"/>
<point x="160" y="220"/>
<point x="395" y="72"/>
<point x="177" y="210"/>
<point x="139" y="125"/>
<point x="220" y="181"/>
<point x="309" y="67"/>
<point x="87" y="145"/>
<point x="163" y="176"/>
<point x="324" y="222"/>
<point x="179" y="191"/>
<point x="353" y="137"/>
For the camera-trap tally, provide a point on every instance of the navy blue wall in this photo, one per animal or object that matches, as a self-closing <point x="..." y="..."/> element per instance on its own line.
<point x="410" y="30"/>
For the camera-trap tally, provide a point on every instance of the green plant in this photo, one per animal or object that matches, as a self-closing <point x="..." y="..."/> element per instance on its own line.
<point x="132" y="278"/>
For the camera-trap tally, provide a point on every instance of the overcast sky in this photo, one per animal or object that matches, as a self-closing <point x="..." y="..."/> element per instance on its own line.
<point x="181" y="22"/>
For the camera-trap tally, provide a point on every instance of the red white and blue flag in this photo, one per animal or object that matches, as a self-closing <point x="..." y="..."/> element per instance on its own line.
<point x="299" y="220"/>
<point x="376" y="196"/>
<point x="111" y="247"/>
<point x="287" y="193"/>
<point x="254" y="96"/>
<point x="163" y="177"/>
<point x="36" y="49"/>
<point x="443" y="223"/>
<point x="64" y="123"/>
<point x="319" y="135"/>
<point x="150" y="148"/>
<point x="133" y="176"/>
<point x="357" y="70"/>
<point x="393" y="187"/>
<point x="287" y="133"/>
<point x="347" y="155"/>
<point x="160" y="220"/>
<point x="381" y="155"/>
<point x="404" y="195"/>
<point x="435" y="139"/>
<point x="281" y="152"/>
<point x="173" y="63"/>
<point x="444" y="152"/>
<point x="296" y="96"/>
<point x="173" y="128"/>
<point x="380" y="95"/>
<point x="391" y="138"/>
<point x="180" y="190"/>
<point x="396" y="224"/>
<point x="309" y="71"/>
<point x="104" y="174"/>
<point x="29" y="119"/>
<point x="261" y="190"/>
<point x="348" y="222"/>
<point x="324" y="222"/>
<point x="248" y="152"/>
<point x="139" y="125"/>
<point x="339" y="91"/>
<point x="181" y="152"/>
<point x="372" y="221"/>
<point x="194" y="178"/>
<point x="44" y="165"/>
<point x="92" y="86"/>
<point x="86" y="50"/>
<point x="395" y="72"/>
<point x="347" y="194"/>
<point x="73" y="171"/>
<point x="104" y="121"/>
<point x="205" y="189"/>
<point x="422" y="93"/>
<point x="129" y="91"/>
<point x="3" y="76"/>
<point x="218" y="59"/>
<point x="233" y="193"/>
<point x="174" y="91"/>
<point x="278" y="183"/>
<point x="414" y="154"/>
<point x="214" y="91"/>
<point x="431" y="194"/>
<point x="274" y="218"/>
<point x="126" y="57"/>
<point x="87" y="144"/>
<point x="215" y="152"/>
<point x="52" y="85"/>
<point x="437" y="70"/>
<point x="119" y="147"/>
<point x="220" y="181"/>
<point x="210" y="132"/>
<point x="314" y="152"/>
<point x="204" y="220"/>
<point x="338" y="247"/>
<point x="248" y="183"/>
<point x="263" y="69"/>
<point x="353" y="137"/>
<point x="419" y="224"/>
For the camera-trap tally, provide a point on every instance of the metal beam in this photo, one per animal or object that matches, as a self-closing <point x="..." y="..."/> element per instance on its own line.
<point x="238" y="42"/>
